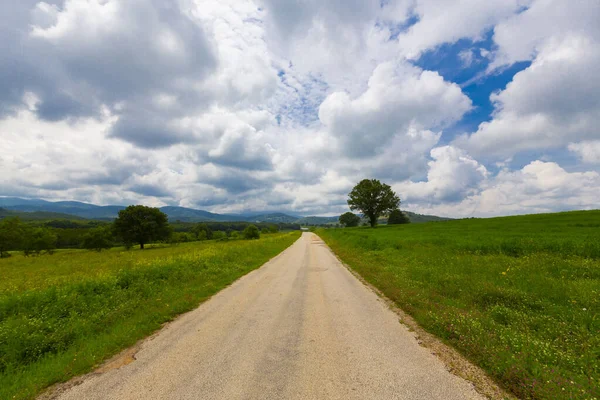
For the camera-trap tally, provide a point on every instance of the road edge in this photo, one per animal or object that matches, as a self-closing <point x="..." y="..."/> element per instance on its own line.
<point x="127" y="356"/>
<point x="455" y="363"/>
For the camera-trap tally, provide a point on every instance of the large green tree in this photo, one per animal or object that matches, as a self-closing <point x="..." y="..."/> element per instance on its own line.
<point x="349" y="219"/>
<point x="373" y="199"/>
<point x="141" y="224"/>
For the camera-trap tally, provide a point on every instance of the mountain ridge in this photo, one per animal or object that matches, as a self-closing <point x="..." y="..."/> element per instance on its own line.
<point x="64" y="209"/>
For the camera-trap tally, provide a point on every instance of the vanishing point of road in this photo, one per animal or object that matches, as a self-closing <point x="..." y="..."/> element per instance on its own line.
<point x="300" y="327"/>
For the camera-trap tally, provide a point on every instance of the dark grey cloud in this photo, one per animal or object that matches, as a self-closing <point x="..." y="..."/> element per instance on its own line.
<point x="111" y="169"/>
<point x="57" y="106"/>
<point x="150" y="133"/>
<point x="249" y="162"/>
<point x="296" y="16"/>
<point x="78" y="63"/>
<point x="240" y="152"/>
<point x="236" y="181"/>
<point x="149" y="190"/>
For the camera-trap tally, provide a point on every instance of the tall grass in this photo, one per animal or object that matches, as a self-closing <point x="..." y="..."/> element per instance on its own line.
<point x="61" y="315"/>
<point x="520" y="296"/>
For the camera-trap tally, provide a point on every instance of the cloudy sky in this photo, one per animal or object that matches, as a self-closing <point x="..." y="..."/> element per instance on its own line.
<point x="466" y="107"/>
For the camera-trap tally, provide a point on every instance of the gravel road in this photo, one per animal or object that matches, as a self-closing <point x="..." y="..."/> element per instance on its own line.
<point x="300" y="327"/>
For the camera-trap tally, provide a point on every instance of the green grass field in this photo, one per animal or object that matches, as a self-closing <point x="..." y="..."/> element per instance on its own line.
<point x="63" y="314"/>
<point x="519" y="296"/>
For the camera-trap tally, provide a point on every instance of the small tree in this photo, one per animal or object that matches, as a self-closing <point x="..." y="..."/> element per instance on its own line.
<point x="11" y="235"/>
<point x="141" y="224"/>
<point x="373" y="198"/>
<point x="398" y="217"/>
<point x="349" y="219"/>
<point x="251" y="232"/>
<point x="100" y="238"/>
<point x="234" y="235"/>
<point x="202" y="231"/>
<point x="273" y="229"/>
<point x="219" y="235"/>
<point x="264" y="231"/>
<point x="38" y="240"/>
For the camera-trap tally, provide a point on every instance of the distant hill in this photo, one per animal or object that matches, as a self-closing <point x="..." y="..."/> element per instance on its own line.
<point x="274" y="218"/>
<point x="83" y="210"/>
<point x="191" y="215"/>
<point x="318" y="220"/>
<point x="37" y="215"/>
<point x="419" y="218"/>
<point x="42" y="209"/>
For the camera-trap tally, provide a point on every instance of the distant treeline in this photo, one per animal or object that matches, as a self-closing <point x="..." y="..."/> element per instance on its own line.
<point x="181" y="226"/>
<point x="36" y="237"/>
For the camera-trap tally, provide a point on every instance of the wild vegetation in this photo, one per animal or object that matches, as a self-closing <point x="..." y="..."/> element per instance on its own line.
<point x="34" y="236"/>
<point x="519" y="296"/>
<point x="62" y="315"/>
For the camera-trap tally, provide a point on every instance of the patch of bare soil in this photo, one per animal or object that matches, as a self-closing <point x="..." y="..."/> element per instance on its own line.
<point x="122" y="359"/>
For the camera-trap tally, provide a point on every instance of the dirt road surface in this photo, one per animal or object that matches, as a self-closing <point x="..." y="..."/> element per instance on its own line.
<point x="300" y="327"/>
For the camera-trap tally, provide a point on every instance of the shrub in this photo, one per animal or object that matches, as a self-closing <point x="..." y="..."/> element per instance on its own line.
<point x="251" y="232"/>
<point x="349" y="219"/>
<point x="201" y="235"/>
<point x="398" y="217"/>
<point x="178" y="237"/>
<point x="219" y="235"/>
<point x="39" y="240"/>
<point x="98" y="239"/>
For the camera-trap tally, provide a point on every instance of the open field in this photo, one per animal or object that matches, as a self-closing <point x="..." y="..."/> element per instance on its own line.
<point x="63" y="314"/>
<point x="519" y="296"/>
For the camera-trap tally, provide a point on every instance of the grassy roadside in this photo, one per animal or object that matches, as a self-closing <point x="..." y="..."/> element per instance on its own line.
<point x="62" y="315"/>
<point x="519" y="296"/>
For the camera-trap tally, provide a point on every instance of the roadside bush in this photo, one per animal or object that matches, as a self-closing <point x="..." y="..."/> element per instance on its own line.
<point x="264" y="231"/>
<point x="234" y="235"/>
<point x="251" y="232"/>
<point x="273" y="229"/>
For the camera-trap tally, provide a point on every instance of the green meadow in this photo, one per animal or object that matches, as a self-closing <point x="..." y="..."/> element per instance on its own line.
<point x="63" y="314"/>
<point x="518" y="296"/>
